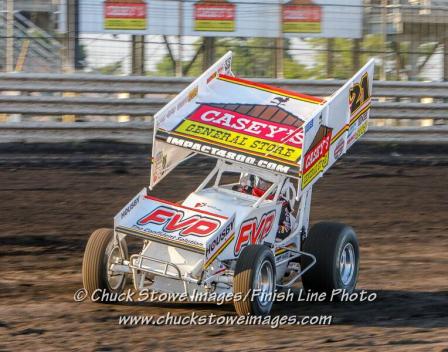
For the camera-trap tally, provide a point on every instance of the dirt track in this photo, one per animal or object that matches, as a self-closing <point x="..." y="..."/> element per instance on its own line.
<point x="50" y="204"/>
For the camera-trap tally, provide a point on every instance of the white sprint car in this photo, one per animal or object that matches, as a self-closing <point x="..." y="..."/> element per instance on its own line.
<point x="239" y="237"/>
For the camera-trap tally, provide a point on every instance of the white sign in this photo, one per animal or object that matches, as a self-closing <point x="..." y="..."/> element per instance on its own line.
<point x="226" y="18"/>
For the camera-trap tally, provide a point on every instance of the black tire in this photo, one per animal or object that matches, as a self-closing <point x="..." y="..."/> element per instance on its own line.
<point x="251" y="259"/>
<point x="326" y="241"/>
<point x="94" y="265"/>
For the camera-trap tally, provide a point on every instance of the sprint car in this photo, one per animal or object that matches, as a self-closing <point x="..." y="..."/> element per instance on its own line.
<point x="224" y="237"/>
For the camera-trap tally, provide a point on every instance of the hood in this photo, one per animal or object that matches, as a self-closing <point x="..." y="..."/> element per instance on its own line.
<point x="173" y="224"/>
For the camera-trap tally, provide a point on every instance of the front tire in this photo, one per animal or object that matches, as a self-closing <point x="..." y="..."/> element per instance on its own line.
<point x="254" y="276"/>
<point x="336" y="249"/>
<point x="102" y="251"/>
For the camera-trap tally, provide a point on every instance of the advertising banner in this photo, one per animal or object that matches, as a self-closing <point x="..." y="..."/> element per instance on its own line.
<point x="122" y="15"/>
<point x="301" y="16"/>
<point x="224" y="18"/>
<point x="214" y="16"/>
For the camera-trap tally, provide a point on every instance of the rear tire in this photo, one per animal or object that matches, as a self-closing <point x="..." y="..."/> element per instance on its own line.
<point x="100" y="253"/>
<point x="255" y="270"/>
<point x="336" y="249"/>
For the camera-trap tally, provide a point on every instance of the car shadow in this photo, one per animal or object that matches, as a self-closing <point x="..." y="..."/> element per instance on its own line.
<point x="389" y="309"/>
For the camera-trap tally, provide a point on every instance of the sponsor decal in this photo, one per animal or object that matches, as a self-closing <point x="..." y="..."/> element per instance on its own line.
<point x="212" y="77"/>
<point x="125" y="15"/>
<point x="193" y="93"/>
<point x="227" y="66"/>
<point x="159" y="166"/>
<point x="163" y="237"/>
<point x="280" y="251"/>
<point x="219" y="243"/>
<point x="248" y="125"/>
<point x="217" y="16"/>
<point x="182" y="103"/>
<point x="161" y="118"/>
<point x="230" y="155"/>
<point x="238" y="140"/>
<point x="129" y="208"/>
<point x="279" y="101"/>
<point x="339" y="134"/>
<point x="338" y="149"/>
<point x="316" y="160"/>
<point x="253" y="231"/>
<point x="301" y="16"/>
<point x="361" y="130"/>
<point x="203" y="205"/>
<point x="309" y="125"/>
<point x="243" y="132"/>
<point x="174" y="221"/>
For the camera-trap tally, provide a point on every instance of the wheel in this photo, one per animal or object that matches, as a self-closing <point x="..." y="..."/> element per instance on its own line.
<point x="100" y="253"/>
<point x="336" y="249"/>
<point x="254" y="276"/>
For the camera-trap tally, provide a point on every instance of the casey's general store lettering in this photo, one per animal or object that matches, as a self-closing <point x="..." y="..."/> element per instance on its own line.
<point x="234" y="121"/>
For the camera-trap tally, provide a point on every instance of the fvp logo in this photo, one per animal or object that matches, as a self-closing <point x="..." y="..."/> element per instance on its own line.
<point x="174" y="220"/>
<point x="253" y="232"/>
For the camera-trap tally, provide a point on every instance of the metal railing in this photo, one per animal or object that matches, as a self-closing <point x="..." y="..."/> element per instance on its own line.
<point x="401" y="106"/>
<point x="86" y="83"/>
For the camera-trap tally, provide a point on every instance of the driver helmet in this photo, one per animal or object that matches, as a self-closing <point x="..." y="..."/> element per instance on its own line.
<point x="260" y="187"/>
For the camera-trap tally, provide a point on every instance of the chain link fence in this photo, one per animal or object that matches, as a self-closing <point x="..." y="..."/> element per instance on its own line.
<point x="408" y="39"/>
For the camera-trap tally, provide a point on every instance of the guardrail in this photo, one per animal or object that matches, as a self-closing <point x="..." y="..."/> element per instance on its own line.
<point x="141" y="133"/>
<point x="97" y="95"/>
<point x="85" y="83"/>
<point x="54" y="105"/>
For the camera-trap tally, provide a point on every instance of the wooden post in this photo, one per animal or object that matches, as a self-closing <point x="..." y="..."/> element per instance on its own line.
<point x="209" y="52"/>
<point x="180" y="52"/>
<point x="10" y="36"/>
<point x="330" y="61"/>
<point x="413" y="59"/>
<point x="138" y="55"/>
<point x="445" y="59"/>
<point x="397" y="60"/>
<point x="70" y="48"/>
<point x="279" y="47"/>
<point x="356" y="54"/>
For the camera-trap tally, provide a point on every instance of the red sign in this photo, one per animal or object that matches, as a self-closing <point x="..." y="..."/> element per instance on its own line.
<point x="130" y="16"/>
<point x="214" y="17"/>
<point x="315" y="154"/>
<point x="301" y="18"/>
<point x="236" y="122"/>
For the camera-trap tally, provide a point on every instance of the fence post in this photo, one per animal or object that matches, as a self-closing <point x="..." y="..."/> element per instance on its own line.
<point x="330" y="53"/>
<point x="445" y="59"/>
<point x="10" y="36"/>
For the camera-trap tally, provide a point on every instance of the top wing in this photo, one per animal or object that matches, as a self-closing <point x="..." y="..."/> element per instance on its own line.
<point x="241" y="121"/>
<point x="262" y="126"/>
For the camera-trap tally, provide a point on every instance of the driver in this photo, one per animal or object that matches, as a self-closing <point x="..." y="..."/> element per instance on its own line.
<point x="257" y="186"/>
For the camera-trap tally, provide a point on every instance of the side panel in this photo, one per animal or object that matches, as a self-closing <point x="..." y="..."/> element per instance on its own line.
<point x="162" y="160"/>
<point x="339" y="124"/>
<point x="257" y="227"/>
<point x="130" y="208"/>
